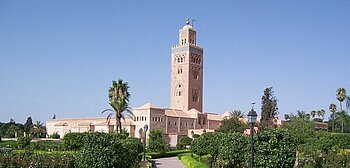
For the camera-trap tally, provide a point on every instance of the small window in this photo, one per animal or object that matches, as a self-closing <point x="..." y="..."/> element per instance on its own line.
<point x="161" y="119"/>
<point x="169" y="123"/>
<point x="175" y="123"/>
<point x="145" y="118"/>
<point x="137" y="118"/>
<point x="180" y="123"/>
<point x="195" y="76"/>
<point x="186" y="124"/>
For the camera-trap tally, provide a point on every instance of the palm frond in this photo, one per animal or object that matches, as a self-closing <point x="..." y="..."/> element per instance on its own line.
<point x="109" y="117"/>
<point x="106" y="110"/>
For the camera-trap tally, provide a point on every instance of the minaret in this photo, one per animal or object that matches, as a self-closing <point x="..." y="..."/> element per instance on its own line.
<point x="187" y="71"/>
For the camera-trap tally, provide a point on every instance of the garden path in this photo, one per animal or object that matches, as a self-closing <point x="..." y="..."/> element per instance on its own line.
<point x="170" y="162"/>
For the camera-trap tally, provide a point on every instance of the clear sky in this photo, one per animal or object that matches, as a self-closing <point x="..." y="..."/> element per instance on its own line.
<point x="59" y="57"/>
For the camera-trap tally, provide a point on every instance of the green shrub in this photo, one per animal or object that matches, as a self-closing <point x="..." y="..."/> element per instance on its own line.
<point x="156" y="142"/>
<point x="208" y="143"/>
<point x="196" y="136"/>
<point x="155" y="155"/>
<point x="9" y="144"/>
<point x="23" y="142"/>
<point x="190" y="162"/>
<point x="234" y="150"/>
<point x="29" y="159"/>
<point x="184" y="141"/>
<point x="55" y="136"/>
<point x="46" y="145"/>
<point x="73" y="141"/>
<point x="275" y="148"/>
<point x="108" y="150"/>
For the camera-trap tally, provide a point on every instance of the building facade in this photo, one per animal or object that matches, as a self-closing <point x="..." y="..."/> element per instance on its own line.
<point x="185" y="114"/>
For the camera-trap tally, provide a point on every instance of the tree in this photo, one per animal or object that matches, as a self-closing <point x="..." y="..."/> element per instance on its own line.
<point x="184" y="141"/>
<point x="341" y="95"/>
<point x="156" y="142"/>
<point x="333" y="109"/>
<point x="28" y="126"/>
<point x="321" y="113"/>
<point x="232" y="125"/>
<point x="38" y="129"/>
<point x="119" y="101"/>
<point x="237" y="114"/>
<point x="208" y="143"/>
<point x="303" y="115"/>
<point x="313" y="113"/>
<point x="100" y="150"/>
<point x="269" y="108"/>
<point x="348" y="102"/>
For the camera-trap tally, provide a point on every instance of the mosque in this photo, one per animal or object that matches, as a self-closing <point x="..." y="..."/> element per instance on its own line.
<point x="185" y="115"/>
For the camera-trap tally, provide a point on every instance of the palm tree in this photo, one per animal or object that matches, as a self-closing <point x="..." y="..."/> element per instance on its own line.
<point x="348" y="102"/>
<point x="313" y="113"/>
<point x="119" y="101"/>
<point x="38" y="129"/>
<point x="321" y="113"/>
<point x="237" y="114"/>
<point x="333" y="109"/>
<point x="341" y="95"/>
<point x="302" y="114"/>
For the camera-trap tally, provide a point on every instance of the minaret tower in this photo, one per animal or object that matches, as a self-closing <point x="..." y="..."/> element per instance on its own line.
<point x="187" y="71"/>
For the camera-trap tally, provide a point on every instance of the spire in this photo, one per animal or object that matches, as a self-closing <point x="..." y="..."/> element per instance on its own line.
<point x="188" y="21"/>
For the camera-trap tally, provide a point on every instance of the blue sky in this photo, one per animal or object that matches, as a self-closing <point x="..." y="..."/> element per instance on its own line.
<point x="59" y="57"/>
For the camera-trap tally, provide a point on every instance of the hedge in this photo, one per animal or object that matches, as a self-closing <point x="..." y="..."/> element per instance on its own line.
<point x="190" y="162"/>
<point x="29" y="159"/>
<point x="156" y="155"/>
<point x="102" y="150"/>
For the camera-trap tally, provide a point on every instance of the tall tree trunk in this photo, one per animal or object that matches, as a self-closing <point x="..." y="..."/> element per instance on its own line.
<point x="120" y="125"/>
<point x="333" y="128"/>
<point x="341" y="107"/>
<point x="116" y="124"/>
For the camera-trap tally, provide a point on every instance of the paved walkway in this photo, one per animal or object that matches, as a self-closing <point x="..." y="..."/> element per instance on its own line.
<point x="171" y="162"/>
